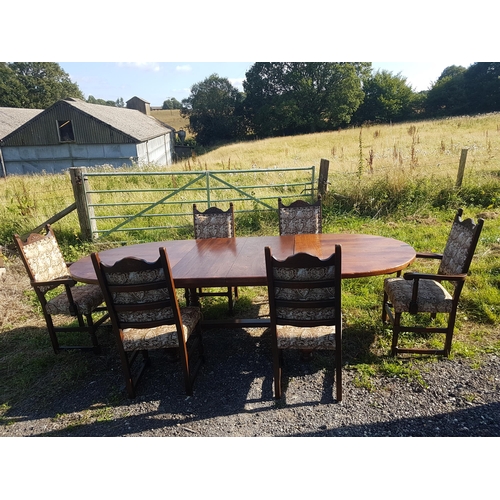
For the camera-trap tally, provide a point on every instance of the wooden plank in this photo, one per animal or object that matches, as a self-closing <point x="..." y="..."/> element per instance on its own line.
<point x="323" y="176"/>
<point x="53" y="219"/>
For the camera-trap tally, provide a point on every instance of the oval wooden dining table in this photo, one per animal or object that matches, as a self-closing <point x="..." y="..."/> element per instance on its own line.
<point x="240" y="261"/>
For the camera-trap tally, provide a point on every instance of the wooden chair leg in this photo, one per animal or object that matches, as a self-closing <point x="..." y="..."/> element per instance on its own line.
<point x="395" y="333"/>
<point x="92" y="332"/>
<point x="52" y="332"/>
<point x="277" y="362"/>
<point x="384" y="311"/>
<point x="449" y="333"/>
<point x="183" y="354"/>
<point x="338" y="374"/>
<point x="127" y="373"/>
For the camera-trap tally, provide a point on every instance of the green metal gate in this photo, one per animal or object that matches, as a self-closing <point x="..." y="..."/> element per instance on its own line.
<point x="135" y="202"/>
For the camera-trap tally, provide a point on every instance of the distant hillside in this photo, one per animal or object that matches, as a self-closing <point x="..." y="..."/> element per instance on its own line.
<point x="173" y="118"/>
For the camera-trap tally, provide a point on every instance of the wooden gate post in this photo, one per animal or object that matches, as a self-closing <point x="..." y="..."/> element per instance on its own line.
<point x="323" y="177"/>
<point x="461" y="168"/>
<point x="79" y="182"/>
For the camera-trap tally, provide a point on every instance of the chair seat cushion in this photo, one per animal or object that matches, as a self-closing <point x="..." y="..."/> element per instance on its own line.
<point x="432" y="296"/>
<point x="164" y="336"/>
<point x="87" y="298"/>
<point x="296" y="337"/>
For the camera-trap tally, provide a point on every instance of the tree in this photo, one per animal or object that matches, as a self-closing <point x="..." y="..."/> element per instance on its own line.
<point x="482" y="87"/>
<point x="387" y="98"/>
<point x="92" y="100"/>
<point x="446" y="97"/>
<point x="12" y="93"/>
<point x="171" y="103"/>
<point x="300" y="97"/>
<point x="44" y="83"/>
<point x="213" y="110"/>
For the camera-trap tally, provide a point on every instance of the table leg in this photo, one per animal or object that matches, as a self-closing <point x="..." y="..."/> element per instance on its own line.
<point x="192" y="298"/>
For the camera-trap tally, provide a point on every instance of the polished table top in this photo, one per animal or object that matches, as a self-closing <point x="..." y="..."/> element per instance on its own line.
<point x="240" y="261"/>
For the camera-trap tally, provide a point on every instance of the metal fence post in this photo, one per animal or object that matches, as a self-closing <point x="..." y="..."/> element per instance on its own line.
<point x="208" y="189"/>
<point x="79" y="182"/>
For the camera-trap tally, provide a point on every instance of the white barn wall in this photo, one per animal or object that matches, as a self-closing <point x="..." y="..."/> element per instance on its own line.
<point x="53" y="159"/>
<point x="157" y="151"/>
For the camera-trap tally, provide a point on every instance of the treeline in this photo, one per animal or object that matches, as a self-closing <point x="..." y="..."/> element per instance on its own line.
<point x="38" y="85"/>
<point x="284" y="98"/>
<point x="295" y="98"/>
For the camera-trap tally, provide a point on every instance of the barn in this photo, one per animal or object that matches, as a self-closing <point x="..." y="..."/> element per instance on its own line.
<point x="10" y="119"/>
<point x="74" y="133"/>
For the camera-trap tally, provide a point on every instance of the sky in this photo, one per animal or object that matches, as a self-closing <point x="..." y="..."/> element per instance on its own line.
<point x="157" y="81"/>
<point x="193" y="40"/>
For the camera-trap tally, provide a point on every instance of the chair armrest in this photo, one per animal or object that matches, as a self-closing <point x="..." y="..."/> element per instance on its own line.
<point x="429" y="255"/>
<point x="436" y="277"/>
<point x="416" y="277"/>
<point x="56" y="282"/>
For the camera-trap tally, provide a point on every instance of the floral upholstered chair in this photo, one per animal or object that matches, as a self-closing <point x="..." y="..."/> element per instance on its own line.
<point x="300" y="217"/>
<point x="215" y="223"/>
<point x="47" y="271"/>
<point x="424" y="292"/>
<point x="145" y="315"/>
<point x="305" y="308"/>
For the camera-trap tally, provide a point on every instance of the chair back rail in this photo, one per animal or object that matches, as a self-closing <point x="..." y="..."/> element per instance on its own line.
<point x="300" y="217"/>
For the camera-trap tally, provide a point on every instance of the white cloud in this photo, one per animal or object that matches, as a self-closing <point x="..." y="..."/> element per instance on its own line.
<point x="146" y="66"/>
<point x="237" y="82"/>
<point x="183" y="68"/>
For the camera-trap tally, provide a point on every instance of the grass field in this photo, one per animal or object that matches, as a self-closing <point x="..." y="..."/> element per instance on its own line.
<point x="173" y="118"/>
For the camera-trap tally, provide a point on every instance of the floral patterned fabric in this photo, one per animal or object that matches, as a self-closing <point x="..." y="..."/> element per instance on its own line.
<point x="295" y="337"/>
<point x="432" y="296"/>
<point x="158" y="337"/>
<point x="86" y="297"/>
<point x="140" y="297"/>
<point x="300" y="220"/>
<point x="46" y="263"/>
<point x="297" y="274"/>
<point x="213" y="225"/>
<point x="45" y="259"/>
<point x="457" y="248"/>
<point x="304" y="273"/>
<point x="164" y="336"/>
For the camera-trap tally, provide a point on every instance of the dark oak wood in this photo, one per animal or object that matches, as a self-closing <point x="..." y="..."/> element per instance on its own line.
<point x="404" y="295"/>
<point x="240" y="261"/>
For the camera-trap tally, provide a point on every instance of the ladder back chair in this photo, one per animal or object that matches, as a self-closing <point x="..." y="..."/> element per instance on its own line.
<point x="215" y="223"/>
<point x="415" y="292"/>
<point x="305" y="308"/>
<point x="300" y="217"/>
<point x="145" y="314"/>
<point x="48" y="271"/>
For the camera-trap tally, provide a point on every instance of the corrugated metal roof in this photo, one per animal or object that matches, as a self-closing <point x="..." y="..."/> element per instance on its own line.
<point x="137" y="125"/>
<point x="12" y="118"/>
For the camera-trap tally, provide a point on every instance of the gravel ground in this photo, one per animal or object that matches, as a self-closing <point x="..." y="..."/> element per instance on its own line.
<point x="233" y="396"/>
